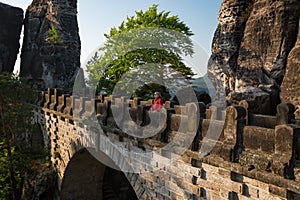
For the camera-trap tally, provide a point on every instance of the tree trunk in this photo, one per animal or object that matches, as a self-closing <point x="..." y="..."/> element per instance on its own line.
<point x="13" y="181"/>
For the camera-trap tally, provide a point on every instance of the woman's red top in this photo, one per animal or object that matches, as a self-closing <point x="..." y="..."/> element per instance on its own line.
<point x="157" y="104"/>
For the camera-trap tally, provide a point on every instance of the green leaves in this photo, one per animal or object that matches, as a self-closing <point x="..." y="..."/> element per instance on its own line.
<point x="146" y="38"/>
<point x="53" y="35"/>
<point x="17" y="100"/>
<point x="152" y="18"/>
<point x="16" y="103"/>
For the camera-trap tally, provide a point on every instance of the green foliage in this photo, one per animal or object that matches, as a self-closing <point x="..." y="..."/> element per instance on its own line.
<point x="146" y="38"/>
<point x="151" y="18"/>
<point x="5" y="188"/>
<point x="17" y="99"/>
<point x="219" y="27"/>
<point x="53" y="35"/>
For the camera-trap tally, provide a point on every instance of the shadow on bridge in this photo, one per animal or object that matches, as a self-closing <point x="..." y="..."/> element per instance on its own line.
<point x="87" y="178"/>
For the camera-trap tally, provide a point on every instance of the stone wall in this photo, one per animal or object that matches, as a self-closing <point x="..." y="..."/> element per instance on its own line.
<point x="243" y="162"/>
<point x="51" y="46"/>
<point x="10" y="31"/>
<point x="250" y="50"/>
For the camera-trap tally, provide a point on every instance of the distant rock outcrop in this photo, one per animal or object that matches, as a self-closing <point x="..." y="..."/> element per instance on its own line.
<point x="10" y="31"/>
<point x="250" y="49"/>
<point x="51" y="47"/>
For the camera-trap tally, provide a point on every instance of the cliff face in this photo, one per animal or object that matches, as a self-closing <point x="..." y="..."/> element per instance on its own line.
<point x="51" y="47"/>
<point x="10" y="30"/>
<point x="290" y="88"/>
<point x="251" y="47"/>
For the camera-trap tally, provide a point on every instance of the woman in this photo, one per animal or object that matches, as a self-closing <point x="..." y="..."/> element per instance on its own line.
<point x="158" y="102"/>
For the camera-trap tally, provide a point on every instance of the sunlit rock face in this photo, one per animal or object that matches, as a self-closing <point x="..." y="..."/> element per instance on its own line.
<point x="10" y="31"/>
<point x="251" y="47"/>
<point x="51" y="48"/>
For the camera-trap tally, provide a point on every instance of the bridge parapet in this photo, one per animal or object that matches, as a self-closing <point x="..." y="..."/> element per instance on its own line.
<point x="231" y="153"/>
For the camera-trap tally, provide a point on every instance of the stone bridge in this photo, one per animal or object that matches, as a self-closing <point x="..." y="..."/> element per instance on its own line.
<point x="198" y="152"/>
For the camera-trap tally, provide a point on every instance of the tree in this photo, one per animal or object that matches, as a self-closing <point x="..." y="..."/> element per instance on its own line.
<point x="16" y="112"/>
<point x="149" y="37"/>
<point x="53" y="35"/>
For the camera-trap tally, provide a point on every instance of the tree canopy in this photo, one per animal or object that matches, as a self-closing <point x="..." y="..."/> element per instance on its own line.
<point x="17" y="99"/>
<point x="149" y="37"/>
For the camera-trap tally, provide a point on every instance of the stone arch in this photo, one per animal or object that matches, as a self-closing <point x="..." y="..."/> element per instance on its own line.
<point x="87" y="178"/>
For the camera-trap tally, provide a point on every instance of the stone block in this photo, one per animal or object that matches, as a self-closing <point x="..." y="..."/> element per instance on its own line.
<point x="78" y="107"/>
<point x="136" y="102"/>
<point x="258" y="160"/>
<point x="265" y="121"/>
<point x="224" y="173"/>
<point x="278" y="191"/>
<point x="62" y="102"/>
<point x="108" y="98"/>
<point x="280" y="163"/>
<point x="180" y="110"/>
<point x="188" y="186"/>
<point x="285" y="113"/>
<point x="212" y="129"/>
<point x="179" y="123"/>
<point x="210" y="168"/>
<point x="227" y="184"/>
<point x="89" y="108"/>
<point x="257" y="138"/>
<point x="193" y="118"/>
<point x="256" y="183"/>
<point x="68" y="111"/>
<point x="101" y="109"/>
<point x="213" y="113"/>
<point x="284" y="139"/>
<point x="175" y="195"/>
<point x="210" y="194"/>
<point x="227" y="152"/>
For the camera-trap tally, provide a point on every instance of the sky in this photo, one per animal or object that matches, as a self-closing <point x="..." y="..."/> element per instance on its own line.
<point x="96" y="17"/>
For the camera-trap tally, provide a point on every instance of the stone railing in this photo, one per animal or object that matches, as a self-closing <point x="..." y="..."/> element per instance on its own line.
<point x="237" y="127"/>
<point x="259" y="147"/>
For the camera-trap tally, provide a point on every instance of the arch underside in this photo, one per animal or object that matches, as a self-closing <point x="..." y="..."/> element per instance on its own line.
<point x="87" y="178"/>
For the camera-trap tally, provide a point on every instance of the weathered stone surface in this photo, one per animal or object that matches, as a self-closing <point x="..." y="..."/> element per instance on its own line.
<point x="179" y="122"/>
<point x="10" y="31"/>
<point x="269" y="157"/>
<point x="40" y="182"/>
<point x="290" y="88"/>
<point x="261" y="139"/>
<point x="269" y="36"/>
<point x="250" y="50"/>
<point x="266" y="121"/>
<point x="226" y="42"/>
<point x="46" y="61"/>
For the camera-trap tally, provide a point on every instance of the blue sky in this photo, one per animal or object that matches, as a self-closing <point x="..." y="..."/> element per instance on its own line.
<point x="96" y="17"/>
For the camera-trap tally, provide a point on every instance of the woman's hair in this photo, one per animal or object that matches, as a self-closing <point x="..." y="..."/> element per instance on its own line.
<point x="158" y="94"/>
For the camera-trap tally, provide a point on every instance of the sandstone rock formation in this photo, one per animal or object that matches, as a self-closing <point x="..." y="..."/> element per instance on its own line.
<point x="51" y="47"/>
<point x="10" y="31"/>
<point x="290" y="88"/>
<point x="250" y="49"/>
<point x="40" y="182"/>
